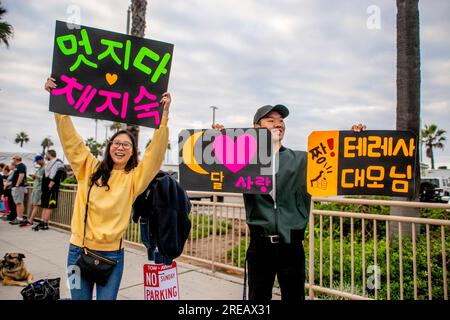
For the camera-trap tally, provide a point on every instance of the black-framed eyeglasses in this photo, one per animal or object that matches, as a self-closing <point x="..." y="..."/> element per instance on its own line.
<point x="125" y="144"/>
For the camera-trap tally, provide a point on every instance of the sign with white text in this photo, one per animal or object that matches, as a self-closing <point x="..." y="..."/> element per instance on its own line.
<point x="161" y="282"/>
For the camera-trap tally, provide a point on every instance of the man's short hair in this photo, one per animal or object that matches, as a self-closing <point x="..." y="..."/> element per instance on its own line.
<point x="52" y="153"/>
<point x="17" y="157"/>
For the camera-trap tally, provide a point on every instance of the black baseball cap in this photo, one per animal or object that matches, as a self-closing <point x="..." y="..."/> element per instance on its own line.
<point x="263" y="111"/>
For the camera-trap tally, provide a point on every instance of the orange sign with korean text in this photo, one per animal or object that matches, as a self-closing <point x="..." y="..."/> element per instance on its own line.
<point x="365" y="163"/>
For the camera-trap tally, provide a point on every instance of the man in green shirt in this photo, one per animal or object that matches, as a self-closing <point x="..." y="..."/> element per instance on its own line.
<point x="277" y="222"/>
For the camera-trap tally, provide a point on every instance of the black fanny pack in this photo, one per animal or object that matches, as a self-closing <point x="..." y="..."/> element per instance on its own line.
<point x="94" y="267"/>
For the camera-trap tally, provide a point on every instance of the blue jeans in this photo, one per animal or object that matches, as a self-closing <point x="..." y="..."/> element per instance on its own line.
<point x="150" y="243"/>
<point x="82" y="289"/>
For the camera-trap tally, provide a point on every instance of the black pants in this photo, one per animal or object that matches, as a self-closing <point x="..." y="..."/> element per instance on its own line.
<point x="12" y="206"/>
<point x="286" y="261"/>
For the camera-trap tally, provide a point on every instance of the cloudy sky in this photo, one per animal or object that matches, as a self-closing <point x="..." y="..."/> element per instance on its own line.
<point x="331" y="62"/>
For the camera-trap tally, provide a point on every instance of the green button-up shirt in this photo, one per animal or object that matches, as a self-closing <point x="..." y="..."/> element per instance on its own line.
<point x="293" y="202"/>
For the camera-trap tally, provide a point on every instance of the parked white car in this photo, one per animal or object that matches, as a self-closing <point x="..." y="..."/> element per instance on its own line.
<point x="442" y="184"/>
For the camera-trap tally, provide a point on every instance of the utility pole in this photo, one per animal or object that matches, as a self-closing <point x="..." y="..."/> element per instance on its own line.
<point x="106" y="131"/>
<point x="128" y="19"/>
<point x="214" y="113"/>
<point x="124" y="125"/>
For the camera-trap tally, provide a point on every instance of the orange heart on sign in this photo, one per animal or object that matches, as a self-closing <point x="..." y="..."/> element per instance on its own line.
<point x="111" y="78"/>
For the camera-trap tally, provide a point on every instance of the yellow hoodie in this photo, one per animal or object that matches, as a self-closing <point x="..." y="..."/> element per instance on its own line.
<point x="109" y="210"/>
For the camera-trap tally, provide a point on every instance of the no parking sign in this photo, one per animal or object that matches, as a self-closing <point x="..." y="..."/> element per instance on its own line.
<point x="161" y="282"/>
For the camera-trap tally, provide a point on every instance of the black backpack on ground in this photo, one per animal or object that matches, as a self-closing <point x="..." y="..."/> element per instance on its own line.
<point x="166" y="206"/>
<point x="43" y="290"/>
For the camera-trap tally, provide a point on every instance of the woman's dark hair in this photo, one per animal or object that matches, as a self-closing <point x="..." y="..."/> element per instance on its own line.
<point x="105" y="167"/>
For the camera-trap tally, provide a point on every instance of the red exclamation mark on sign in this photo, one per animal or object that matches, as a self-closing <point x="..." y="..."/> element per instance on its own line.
<point x="330" y="143"/>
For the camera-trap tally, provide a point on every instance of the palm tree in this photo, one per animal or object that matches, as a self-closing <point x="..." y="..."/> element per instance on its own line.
<point x="94" y="147"/>
<point x="408" y="90"/>
<point x="21" y="138"/>
<point x="432" y="137"/>
<point x="46" y="144"/>
<point x="138" y="9"/>
<point x="116" y="126"/>
<point x="6" y="30"/>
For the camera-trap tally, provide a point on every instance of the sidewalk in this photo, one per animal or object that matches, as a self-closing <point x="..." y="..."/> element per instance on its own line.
<point x="46" y="255"/>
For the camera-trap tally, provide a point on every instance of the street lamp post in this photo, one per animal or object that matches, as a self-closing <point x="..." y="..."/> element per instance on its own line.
<point x="124" y="125"/>
<point x="106" y="132"/>
<point x="214" y="113"/>
<point x="128" y="19"/>
<point x="96" y="122"/>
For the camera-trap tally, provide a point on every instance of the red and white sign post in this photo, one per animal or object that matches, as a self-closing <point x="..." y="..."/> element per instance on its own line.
<point x="161" y="282"/>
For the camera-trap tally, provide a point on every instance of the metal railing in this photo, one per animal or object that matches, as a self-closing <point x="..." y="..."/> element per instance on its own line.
<point x="219" y="235"/>
<point x="393" y="258"/>
<point x="62" y="215"/>
<point x="351" y="255"/>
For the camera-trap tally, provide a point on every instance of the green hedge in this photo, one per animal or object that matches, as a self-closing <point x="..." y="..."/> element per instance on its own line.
<point x="71" y="180"/>
<point x="202" y="226"/>
<point x="394" y="255"/>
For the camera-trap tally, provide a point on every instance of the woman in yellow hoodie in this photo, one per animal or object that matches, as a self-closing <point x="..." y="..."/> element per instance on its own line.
<point x="116" y="182"/>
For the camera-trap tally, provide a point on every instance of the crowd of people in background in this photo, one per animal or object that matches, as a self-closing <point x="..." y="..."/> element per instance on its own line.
<point x="42" y="188"/>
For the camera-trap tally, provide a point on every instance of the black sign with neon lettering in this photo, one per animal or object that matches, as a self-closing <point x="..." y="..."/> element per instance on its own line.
<point x="110" y="76"/>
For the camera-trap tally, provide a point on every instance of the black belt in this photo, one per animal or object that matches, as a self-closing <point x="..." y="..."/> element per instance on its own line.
<point x="258" y="232"/>
<point x="273" y="238"/>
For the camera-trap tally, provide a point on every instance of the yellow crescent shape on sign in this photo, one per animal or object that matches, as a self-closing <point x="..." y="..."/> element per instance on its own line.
<point x="188" y="154"/>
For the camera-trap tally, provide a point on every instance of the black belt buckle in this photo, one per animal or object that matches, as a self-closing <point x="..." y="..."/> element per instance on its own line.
<point x="274" y="238"/>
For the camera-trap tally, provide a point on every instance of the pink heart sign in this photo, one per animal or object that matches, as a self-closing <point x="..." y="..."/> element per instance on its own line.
<point x="235" y="155"/>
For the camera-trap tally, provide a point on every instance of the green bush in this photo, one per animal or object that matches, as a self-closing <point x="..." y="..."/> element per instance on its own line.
<point x="233" y="254"/>
<point x="202" y="226"/>
<point x="394" y="257"/>
<point x="71" y="180"/>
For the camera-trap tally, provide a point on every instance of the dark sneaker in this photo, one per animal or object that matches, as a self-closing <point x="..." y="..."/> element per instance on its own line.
<point x="25" y="223"/>
<point x="44" y="226"/>
<point x="37" y="227"/>
<point x="15" y="222"/>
